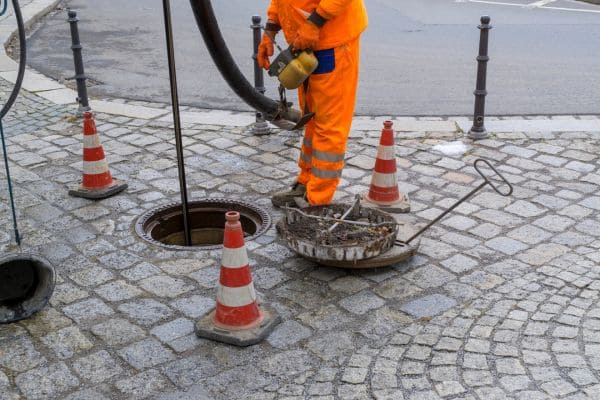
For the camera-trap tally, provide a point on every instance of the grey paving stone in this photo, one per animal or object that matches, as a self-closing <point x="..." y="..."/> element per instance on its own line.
<point x="145" y="354"/>
<point x="117" y="331"/>
<point x="529" y="234"/>
<point x="97" y="367"/>
<point x="396" y="288"/>
<point x="349" y="284"/>
<point x="429" y="276"/>
<point x="145" y="312"/>
<point x="428" y="306"/>
<point x="118" y="291"/>
<point x="194" y="306"/>
<point x="330" y="345"/>
<point x="558" y="388"/>
<point x="46" y="381"/>
<point x="88" y="310"/>
<point x="288" y="334"/>
<point x="554" y="223"/>
<point x="459" y="263"/>
<point x="140" y="271"/>
<point x="19" y="354"/>
<point x="591" y="202"/>
<point x="459" y="222"/>
<point x="506" y="245"/>
<point x="173" y="330"/>
<point x="189" y="371"/>
<point x="87" y="394"/>
<point x="67" y="342"/>
<point x="165" y="286"/>
<point x="142" y="385"/>
<point x="91" y="276"/>
<point x="362" y="302"/>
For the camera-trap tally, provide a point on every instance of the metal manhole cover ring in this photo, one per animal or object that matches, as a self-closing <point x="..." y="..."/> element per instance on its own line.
<point x="354" y="252"/>
<point x="162" y="225"/>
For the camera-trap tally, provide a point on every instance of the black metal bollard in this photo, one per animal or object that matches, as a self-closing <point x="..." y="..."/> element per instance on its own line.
<point x="80" y="77"/>
<point x="260" y="127"/>
<point x="478" y="129"/>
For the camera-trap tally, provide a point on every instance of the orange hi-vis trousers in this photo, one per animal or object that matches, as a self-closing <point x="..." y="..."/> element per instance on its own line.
<point x="331" y="96"/>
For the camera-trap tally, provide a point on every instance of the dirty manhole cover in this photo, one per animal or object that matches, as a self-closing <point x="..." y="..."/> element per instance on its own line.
<point x="164" y="225"/>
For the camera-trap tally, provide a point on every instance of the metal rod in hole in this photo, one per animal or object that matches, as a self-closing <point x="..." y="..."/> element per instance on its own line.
<point x="356" y="202"/>
<point x="478" y="129"/>
<point x="442" y="215"/>
<point x="177" y="122"/>
<point x="80" y="77"/>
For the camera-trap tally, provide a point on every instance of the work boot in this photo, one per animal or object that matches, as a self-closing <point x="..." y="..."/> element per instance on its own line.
<point x="281" y="199"/>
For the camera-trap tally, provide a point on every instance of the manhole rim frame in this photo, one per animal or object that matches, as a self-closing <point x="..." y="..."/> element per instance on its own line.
<point x="140" y="221"/>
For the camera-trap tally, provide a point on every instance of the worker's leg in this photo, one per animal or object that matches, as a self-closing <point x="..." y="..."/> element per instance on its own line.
<point x="331" y="96"/>
<point x="305" y="160"/>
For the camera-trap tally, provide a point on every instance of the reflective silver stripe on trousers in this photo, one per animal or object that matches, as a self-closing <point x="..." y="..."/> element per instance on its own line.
<point x="307" y="142"/>
<point x="307" y="158"/>
<point x="326" y="173"/>
<point x="328" y="157"/>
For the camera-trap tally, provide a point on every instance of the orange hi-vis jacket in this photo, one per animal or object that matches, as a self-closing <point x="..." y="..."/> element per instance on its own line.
<point x="347" y="19"/>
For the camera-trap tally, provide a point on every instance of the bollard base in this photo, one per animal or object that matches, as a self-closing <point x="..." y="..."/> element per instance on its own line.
<point x="99" y="194"/>
<point x="477" y="134"/>
<point x="206" y="328"/>
<point x="260" y="128"/>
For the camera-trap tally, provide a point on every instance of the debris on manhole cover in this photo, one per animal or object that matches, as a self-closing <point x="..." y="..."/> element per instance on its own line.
<point x="338" y="232"/>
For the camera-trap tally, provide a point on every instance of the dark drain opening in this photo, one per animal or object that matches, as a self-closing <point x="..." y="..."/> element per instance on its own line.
<point x="26" y="284"/>
<point x="164" y="225"/>
<point x="18" y="281"/>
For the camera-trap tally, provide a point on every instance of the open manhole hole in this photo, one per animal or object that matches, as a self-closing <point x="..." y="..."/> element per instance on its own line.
<point x="163" y="225"/>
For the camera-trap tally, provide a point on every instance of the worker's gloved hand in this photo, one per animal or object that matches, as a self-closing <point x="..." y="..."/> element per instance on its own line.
<point x="307" y="36"/>
<point x="265" y="50"/>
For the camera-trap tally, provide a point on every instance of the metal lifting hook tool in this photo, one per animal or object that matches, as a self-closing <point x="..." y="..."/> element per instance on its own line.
<point x="486" y="181"/>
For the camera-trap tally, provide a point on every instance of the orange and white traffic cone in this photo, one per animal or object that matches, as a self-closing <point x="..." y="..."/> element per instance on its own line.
<point x="237" y="319"/>
<point x="97" y="182"/>
<point x="384" y="192"/>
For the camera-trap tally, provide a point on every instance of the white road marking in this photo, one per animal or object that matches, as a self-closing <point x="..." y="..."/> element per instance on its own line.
<point x="541" y="4"/>
<point x="496" y="2"/>
<point x="571" y="9"/>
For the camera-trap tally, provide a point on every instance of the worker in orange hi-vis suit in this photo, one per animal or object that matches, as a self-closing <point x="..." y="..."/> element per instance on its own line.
<point x="332" y="29"/>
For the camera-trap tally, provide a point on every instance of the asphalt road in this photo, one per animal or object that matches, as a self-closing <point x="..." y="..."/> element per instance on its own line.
<point x="418" y="57"/>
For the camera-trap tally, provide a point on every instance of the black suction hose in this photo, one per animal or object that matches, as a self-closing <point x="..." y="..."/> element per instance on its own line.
<point x="9" y="104"/>
<point x="22" y="60"/>
<point x="207" y="23"/>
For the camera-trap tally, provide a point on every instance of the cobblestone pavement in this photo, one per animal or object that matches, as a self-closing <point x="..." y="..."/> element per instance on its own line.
<point x="502" y="300"/>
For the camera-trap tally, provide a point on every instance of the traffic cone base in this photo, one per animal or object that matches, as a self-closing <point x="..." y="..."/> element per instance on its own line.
<point x="254" y="333"/>
<point x="99" y="194"/>
<point x="401" y="205"/>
